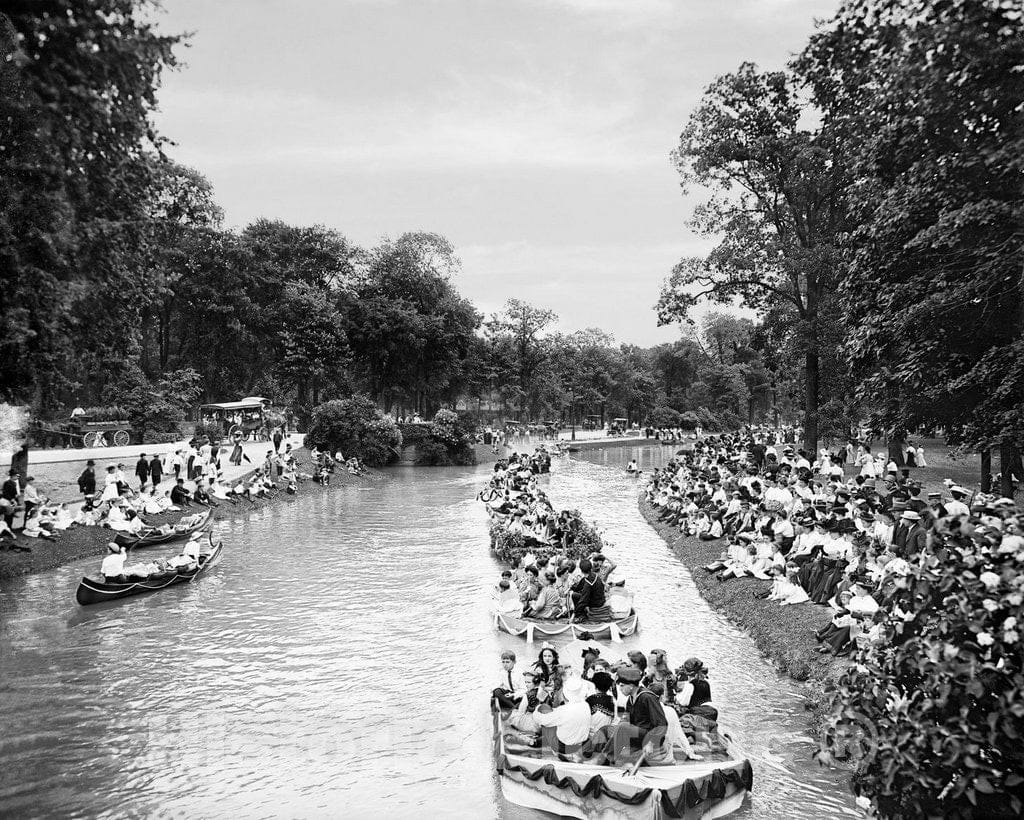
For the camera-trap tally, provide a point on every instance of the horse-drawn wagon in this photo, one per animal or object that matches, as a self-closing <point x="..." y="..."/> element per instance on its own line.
<point x="253" y="417"/>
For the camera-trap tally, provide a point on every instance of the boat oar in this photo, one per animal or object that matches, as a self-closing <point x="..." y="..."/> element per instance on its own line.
<point x="631" y="772"/>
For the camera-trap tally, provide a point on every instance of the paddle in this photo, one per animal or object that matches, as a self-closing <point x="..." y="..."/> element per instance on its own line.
<point x="636" y="766"/>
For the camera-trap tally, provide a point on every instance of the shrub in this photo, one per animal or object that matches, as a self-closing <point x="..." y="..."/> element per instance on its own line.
<point x="213" y="431"/>
<point x="665" y="417"/>
<point x="936" y="709"/>
<point x="357" y="428"/>
<point x="432" y="453"/>
<point x="413" y="434"/>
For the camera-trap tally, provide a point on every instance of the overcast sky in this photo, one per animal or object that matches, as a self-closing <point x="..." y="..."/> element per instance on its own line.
<point x="534" y="134"/>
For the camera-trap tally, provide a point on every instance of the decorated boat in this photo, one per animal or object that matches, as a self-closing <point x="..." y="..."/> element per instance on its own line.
<point x="713" y="787"/>
<point x="623" y="623"/>
<point x="96" y="591"/>
<point x="183" y="529"/>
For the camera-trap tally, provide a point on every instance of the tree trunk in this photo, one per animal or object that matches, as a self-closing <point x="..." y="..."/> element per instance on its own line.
<point x="1007" y="466"/>
<point x="811" y="401"/>
<point x="986" y="470"/>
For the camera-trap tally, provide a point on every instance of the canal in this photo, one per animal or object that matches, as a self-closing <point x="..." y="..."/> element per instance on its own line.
<point x="337" y="663"/>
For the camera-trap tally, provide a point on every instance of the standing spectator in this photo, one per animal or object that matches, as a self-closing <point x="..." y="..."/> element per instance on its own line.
<point x="9" y="498"/>
<point x="31" y="497"/>
<point x="156" y="471"/>
<point x="176" y="464"/>
<point x="236" y="453"/>
<point x="142" y="471"/>
<point x="278" y="438"/>
<point x="87" y="484"/>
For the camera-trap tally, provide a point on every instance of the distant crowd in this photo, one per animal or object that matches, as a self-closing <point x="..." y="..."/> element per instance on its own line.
<point x="840" y="529"/>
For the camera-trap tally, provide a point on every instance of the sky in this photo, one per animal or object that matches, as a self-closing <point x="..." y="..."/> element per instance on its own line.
<point x="534" y="134"/>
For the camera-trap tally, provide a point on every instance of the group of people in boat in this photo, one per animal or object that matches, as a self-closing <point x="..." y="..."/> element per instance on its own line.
<point x="557" y="569"/>
<point x="819" y="531"/>
<point x="116" y="569"/>
<point x="582" y="707"/>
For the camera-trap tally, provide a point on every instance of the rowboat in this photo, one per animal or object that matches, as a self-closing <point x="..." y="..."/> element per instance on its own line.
<point x="96" y="591"/>
<point x="692" y="789"/>
<point x="177" y="532"/>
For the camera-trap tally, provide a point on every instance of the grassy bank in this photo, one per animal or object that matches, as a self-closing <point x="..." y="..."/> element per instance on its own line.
<point x="84" y="542"/>
<point x="783" y="634"/>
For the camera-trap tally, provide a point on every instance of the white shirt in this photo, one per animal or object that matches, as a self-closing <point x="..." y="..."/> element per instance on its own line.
<point x="113" y="565"/>
<point x="572" y="722"/>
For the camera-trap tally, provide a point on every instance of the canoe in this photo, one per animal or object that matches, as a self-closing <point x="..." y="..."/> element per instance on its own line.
<point x="95" y="591"/>
<point x="124" y="539"/>
<point x="694" y="790"/>
<point x="532" y="628"/>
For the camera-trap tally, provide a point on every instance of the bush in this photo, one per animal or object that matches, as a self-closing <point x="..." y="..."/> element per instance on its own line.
<point x="413" y="434"/>
<point x="357" y="428"/>
<point x="936" y="710"/>
<point x="665" y="417"/>
<point x="214" y="431"/>
<point x="432" y="453"/>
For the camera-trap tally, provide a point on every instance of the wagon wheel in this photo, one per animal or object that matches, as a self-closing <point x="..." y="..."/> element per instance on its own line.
<point x="93" y="439"/>
<point x="122" y="438"/>
<point x="236" y="429"/>
<point x="75" y="441"/>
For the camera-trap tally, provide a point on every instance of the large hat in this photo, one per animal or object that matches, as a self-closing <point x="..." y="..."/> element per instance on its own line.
<point x="628" y="674"/>
<point x="574" y="690"/>
<point x="956" y="489"/>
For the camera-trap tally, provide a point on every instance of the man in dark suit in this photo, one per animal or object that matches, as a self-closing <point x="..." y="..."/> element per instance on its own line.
<point x="87" y="483"/>
<point x="142" y="471"/>
<point x="916" y="538"/>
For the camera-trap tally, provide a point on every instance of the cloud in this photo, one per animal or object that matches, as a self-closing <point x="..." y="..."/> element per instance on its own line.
<point x="609" y="286"/>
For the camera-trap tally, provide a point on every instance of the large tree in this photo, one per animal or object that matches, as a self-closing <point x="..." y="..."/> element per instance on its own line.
<point x="78" y="81"/>
<point x="521" y="351"/>
<point x="777" y="208"/>
<point x="927" y="96"/>
<point x="410" y="330"/>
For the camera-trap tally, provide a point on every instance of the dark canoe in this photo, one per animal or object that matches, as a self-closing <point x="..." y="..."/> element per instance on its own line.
<point x="123" y="539"/>
<point x="94" y="591"/>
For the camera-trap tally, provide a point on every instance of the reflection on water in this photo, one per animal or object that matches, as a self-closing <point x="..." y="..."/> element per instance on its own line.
<point x="337" y="662"/>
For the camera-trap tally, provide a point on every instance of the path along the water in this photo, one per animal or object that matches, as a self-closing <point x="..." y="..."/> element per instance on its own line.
<point x="337" y="663"/>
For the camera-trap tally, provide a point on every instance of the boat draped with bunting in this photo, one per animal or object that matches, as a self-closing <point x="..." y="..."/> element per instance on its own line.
<point x="689" y="789"/>
<point x="623" y="623"/>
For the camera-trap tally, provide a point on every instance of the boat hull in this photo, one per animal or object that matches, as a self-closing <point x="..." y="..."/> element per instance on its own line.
<point x="133" y="542"/>
<point x="693" y="790"/>
<point x="91" y="591"/>
<point x="531" y="629"/>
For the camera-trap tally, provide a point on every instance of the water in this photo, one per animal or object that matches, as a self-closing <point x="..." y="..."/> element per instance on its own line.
<point x="337" y="662"/>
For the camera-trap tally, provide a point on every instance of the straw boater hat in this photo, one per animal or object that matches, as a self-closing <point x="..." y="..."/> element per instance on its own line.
<point x="113" y="547"/>
<point x="911" y="515"/>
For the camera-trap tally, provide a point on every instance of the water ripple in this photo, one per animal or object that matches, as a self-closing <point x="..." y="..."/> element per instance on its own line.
<point x="336" y="662"/>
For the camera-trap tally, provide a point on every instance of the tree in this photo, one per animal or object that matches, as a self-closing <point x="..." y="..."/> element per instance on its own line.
<point x="78" y="81"/>
<point x="357" y="428"/>
<point x="778" y="207"/>
<point x="927" y="96"/>
<point x="582" y="362"/>
<point x="409" y="329"/>
<point x="517" y="334"/>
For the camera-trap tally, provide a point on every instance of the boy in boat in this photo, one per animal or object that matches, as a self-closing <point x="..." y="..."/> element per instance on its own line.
<point x="511" y="687"/>
<point x="642" y="730"/>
